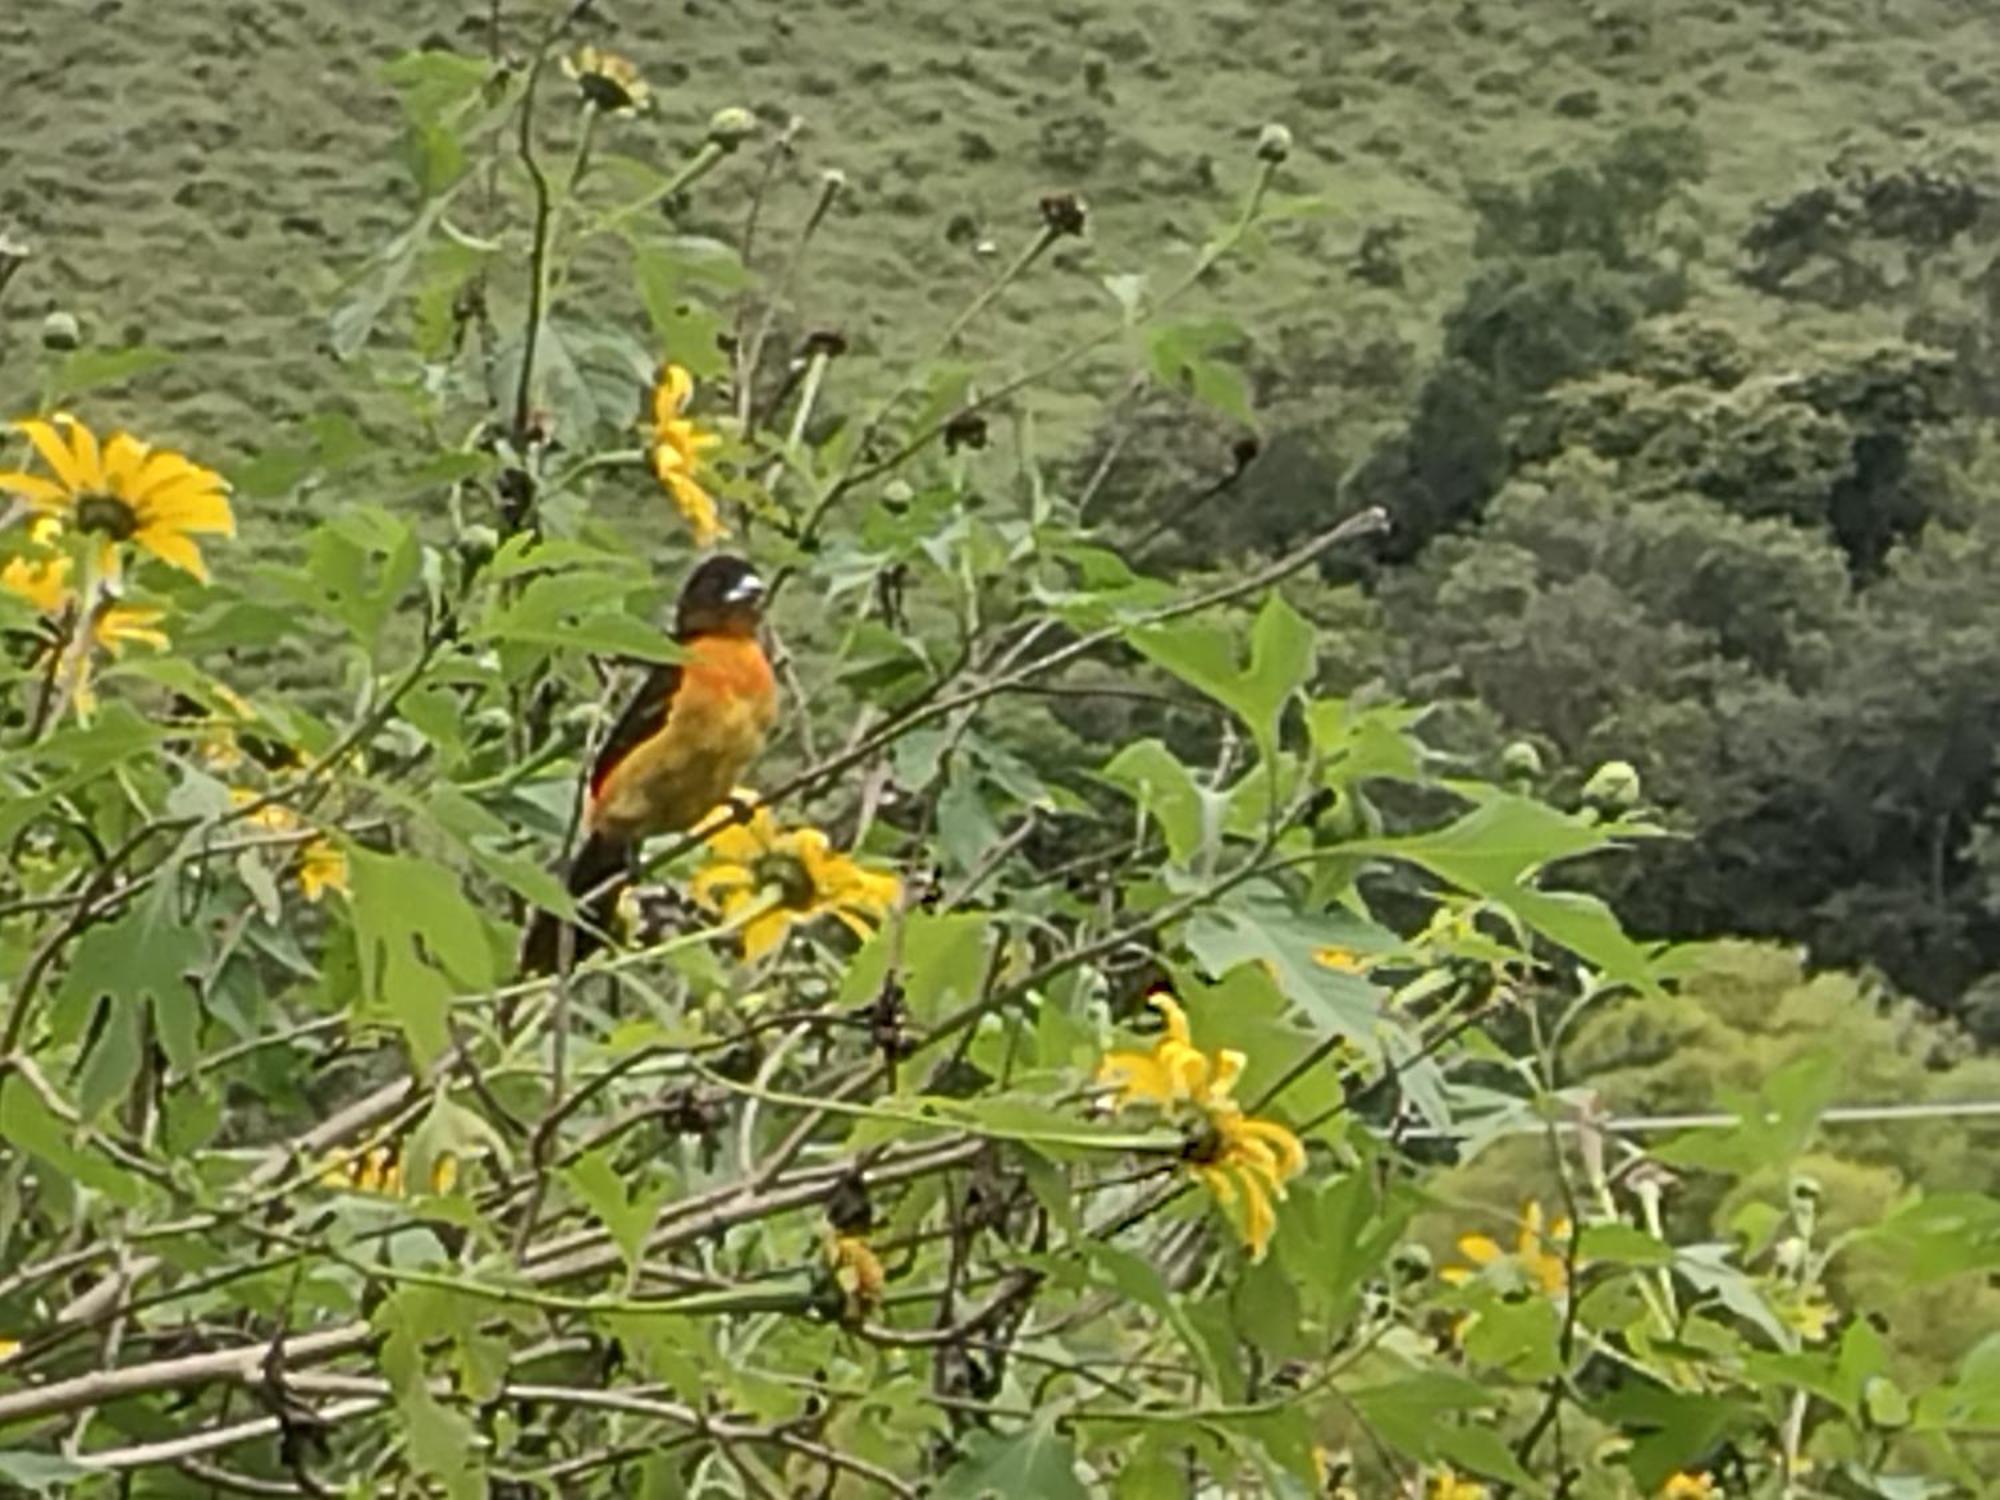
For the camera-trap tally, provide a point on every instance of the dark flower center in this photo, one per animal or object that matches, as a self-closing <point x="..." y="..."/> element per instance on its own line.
<point x="794" y="882"/>
<point x="106" y="515"/>
<point x="606" y="93"/>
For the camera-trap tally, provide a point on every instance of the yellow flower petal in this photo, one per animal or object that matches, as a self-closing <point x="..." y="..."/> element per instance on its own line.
<point x="55" y="452"/>
<point x="1480" y="1249"/>
<point x="322" y="868"/>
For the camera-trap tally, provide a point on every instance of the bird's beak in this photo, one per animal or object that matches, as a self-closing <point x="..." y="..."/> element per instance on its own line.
<point x="746" y="590"/>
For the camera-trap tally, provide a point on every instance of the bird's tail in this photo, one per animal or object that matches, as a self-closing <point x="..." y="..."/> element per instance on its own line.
<point x="594" y="874"/>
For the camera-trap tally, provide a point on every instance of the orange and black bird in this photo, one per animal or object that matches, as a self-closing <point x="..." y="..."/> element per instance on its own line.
<point x="676" y="753"/>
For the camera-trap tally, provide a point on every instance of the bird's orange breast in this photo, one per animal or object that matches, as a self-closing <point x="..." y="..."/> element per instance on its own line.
<point x="722" y="707"/>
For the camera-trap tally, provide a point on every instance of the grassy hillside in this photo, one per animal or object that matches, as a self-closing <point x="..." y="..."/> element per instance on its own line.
<point x="202" y="175"/>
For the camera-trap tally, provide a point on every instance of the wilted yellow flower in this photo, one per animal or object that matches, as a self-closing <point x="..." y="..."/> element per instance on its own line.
<point x="121" y="626"/>
<point x="1540" y="1257"/>
<point x="124" y="491"/>
<point x="1691" y="1487"/>
<point x="787" y="876"/>
<point x="272" y="817"/>
<point x="1446" y="1485"/>
<point x="322" y="868"/>
<point x="857" y="1270"/>
<point x="1173" y="1072"/>
<point x="677" y="449"/>
<point x="608" y="81"/>
<point x="1244" y="1162"/>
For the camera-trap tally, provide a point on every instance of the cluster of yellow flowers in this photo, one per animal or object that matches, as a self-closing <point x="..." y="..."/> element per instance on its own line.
<point x="379" y="1172"/>
<point x="857" y="1271"/>
<point x="678" y="452"/>
<point x="772" y="879"/>
<point x="1244" y="1162"/>
<point x="96" y="500"/>
<point x="322" y="867"/>
<point x="1540" y="1257"/>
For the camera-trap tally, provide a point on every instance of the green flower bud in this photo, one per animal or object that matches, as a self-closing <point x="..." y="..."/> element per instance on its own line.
<point x="60" y="330"/>
<point x="478" y="542"/>
<point x="1613" y="787"/>
<point x="730" y="128"/>
<point x="1274" y="143"/>
<point x="1522" y="761"/>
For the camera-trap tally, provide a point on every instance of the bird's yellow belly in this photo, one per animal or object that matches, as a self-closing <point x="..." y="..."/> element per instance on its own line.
<point x="697" y="759"/>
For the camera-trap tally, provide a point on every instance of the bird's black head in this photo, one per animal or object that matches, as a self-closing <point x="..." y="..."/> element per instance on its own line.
<point x="724" y="596"/>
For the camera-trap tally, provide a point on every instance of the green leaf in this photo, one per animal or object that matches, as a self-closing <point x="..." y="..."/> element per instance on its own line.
<point x="1250" y="926"/>
<point x="27" y="1124"/>
<point x="415" y="935"/>
<point x="580" y="611"/>
<point x="628" y="1216"/>
<point x="1672" y="1431"/>
<point x="944" y="962"/>
<point x="1949" y="1234"/>
<point x="1165" y="790"/>
<point x="1205" y="657"/>
<point x="113" y="1060"/>
<point x="143" y="958"/>
<point x="40" y="1472"/>
<point x="432" y="83"/>
<point x="686" y="330"/>
<point x="1409" y="1414"/>
<point x="1773" y="1125"/>
<point x="1518" y="1338"/>
<point x="1181" y="356"/>
<point x="1621" y="1244"/>
<point x="1034" y="1462"/>
<point x="1483" y="1451"/>
<point x="92" y="369"/>
<point x="1495" y="850"/>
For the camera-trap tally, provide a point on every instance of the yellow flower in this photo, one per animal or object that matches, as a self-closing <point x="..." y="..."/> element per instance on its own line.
<point x="780" y="877"/>
<point x="1805" y="1312"/>
<point x="322" y="868"/>
<point x="1445" y="1485"/>
<point x="8" y="1349"/>
<point x="607" y="81"/>
<point x="124" y="491"/>
<point x="272" y="817"/>
<point x="1244" y="1162"/>
<point x="45" y="585"/>
<point x="219" y="749"/>
<point x="379" y="1173"/>
<point x="120" y="626"/>
<point x="678" y="446"/>
<point x="1691" y="1487"/>
<point x="1340" y="960"/>
<point x="1540" y="1258"/>
<point x="857" y="1270"/>
<point x="1173" y="1072"/>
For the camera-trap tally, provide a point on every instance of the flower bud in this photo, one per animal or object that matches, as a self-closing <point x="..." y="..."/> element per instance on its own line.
<point x="1274" y="144"/>
<point x="1521" y="761"/>
<point x="1613" y="787"/>
<point x="730" y="128"/>
<point x="478" y="542"/>
<point x="60" y="330"/>
<point x="1063" y="213"/>
<point x="832" y="181"/>
<point x="13" y="253"/>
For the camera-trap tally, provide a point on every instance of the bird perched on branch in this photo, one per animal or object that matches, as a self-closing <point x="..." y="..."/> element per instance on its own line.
<point x="676" y="753"/>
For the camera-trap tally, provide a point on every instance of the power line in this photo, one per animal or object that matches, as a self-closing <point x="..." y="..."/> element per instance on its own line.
<point x="1839" y="1114"/>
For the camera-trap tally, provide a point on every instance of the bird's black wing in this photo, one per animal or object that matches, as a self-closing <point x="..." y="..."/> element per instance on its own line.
<point x="644" y="717"/>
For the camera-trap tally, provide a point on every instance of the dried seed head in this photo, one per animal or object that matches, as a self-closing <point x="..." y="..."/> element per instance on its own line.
<point x="60" y="330"/>
<point x="1063" y="213"/>
<point x="730" y="128"/>
<point x="966" y="429"/>
<point x="830" y="342"/>
<point x="1274" y="144"/>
